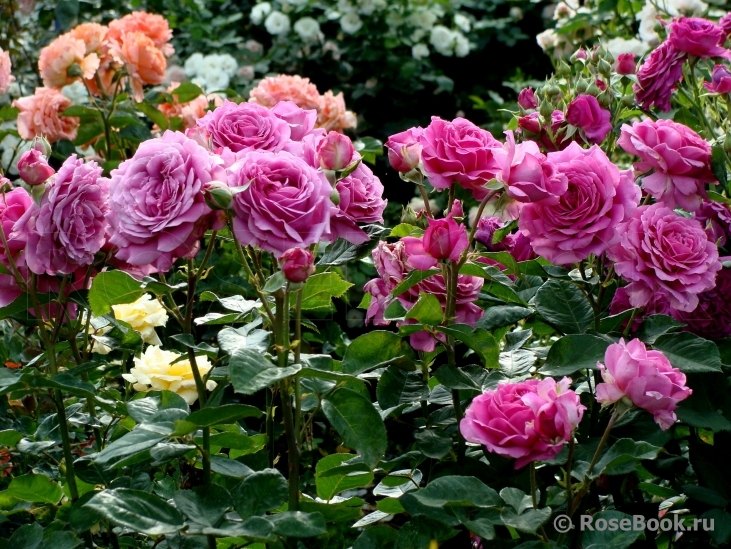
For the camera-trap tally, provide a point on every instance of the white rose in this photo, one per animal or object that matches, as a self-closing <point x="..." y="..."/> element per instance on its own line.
<point x="686" y="7"/>
<point x="443" y="40"/>
<point x="463" y="22"/>
<point x="419" y="51"/>
<point x="194" y="64"/>
<point x="516" y="13"/>
<point x="346" y="6"/>
<point x="143" y="315"/>
<point x="350" y="23"/>
<point x="367" y="7"/>
<point x="647" y="17"/>
<point x="259" y="12"/>
<point x="422" y="19"/>
<point x="76" y="92"/>
<point x="547" y="39"/>
<point x="461" y="45"/>
<point x="154" y="369"/>
<point x="277" y="23"/>
<point x="216" y="80"/>
<point x="228" y="63"/>
<point x="618" y="46"/>
<point x="307" y="28"/>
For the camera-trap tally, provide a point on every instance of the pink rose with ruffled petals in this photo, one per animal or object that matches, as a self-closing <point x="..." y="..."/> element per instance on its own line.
<point x="697" y="36"/>
<point x="361" y="201"/>
<point x="301" y="121"/>
<point x="585" y="113"/>
<point x="33" y="167"/>
<point x="40" y="114"/>
<point x="715" y="217"/>
<point x="659" y="250"/>
<point x="459" y="152"/>
<point x="158" y="210"/>
<point x="584" y="220"/>
<point x="529" y="421"/>
<point x="720" y="80"/>
<point x="516" y="244"/>
<point x="680" y="158"/>
<point x="643" y="377"/>
<point x="658" y="76"/>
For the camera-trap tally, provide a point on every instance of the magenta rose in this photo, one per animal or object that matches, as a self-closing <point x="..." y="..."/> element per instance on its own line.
<point x="532" y="127"/>
<point x="712" y="317"/>
<point x="459" y="152"/>
<point x="527" y="99"/>
<point x="516" y="244"/>
<point x="725" y="23"/>
<point x="697" y="36"/>
<point x="13" y="205"/>
<point x="33" y="167"/>
<point x="715" y="217"/>
<point x="644" y="378"/>
<point x="444" y="239"/>
<point x="658" y="76"/>
<point x="361" y="201"/>
<point x="529" y="421"/>
<point x="659" y="250"/>
<point x="286" y="202"/>
<point x="584" y="221"/>
<point x="404" y="149"/>
<point x="157" y="202"/>
<point x="679" y="157"/>
<point x="300" y="121"/>
<point x="246" y="127"/>
<point x="297" y="264"/>
<point x="68" y="228"/>
<point x="585" y="113"/>
<point x="335" y="151"/>
<point x="626" y="64"/>
<point x="720" y="80"/>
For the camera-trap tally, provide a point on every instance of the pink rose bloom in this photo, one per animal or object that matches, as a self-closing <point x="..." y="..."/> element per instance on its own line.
<point x="658" y="305"/>
<point x="68" y="228"/>
<point x="725" y="23"/>
<point x="585" y="113"/>
<point x="335" y="151"/>
<point x="720" y="80"/>
<point x="661" y="251"/>
<point x="444" y="239"/>
<point x="645" y="378"/>
<point x="286" y="203"/>
<point x="712" y="317"/>
<point x="246" y="127"/>
<point x="715" y="217"/>
<point x="658" y="76"/>
<point x="33" y="167"/>
<point x="297" y="264"/>
<point x="680" y="158"/>
<point x="516" y="244"/>
<point x="301" y="122"/>
<point x="527" y="175"/>
<point x="585" y="219"/>
<point x="626" y="64"/>
<point x="404" y="149"/>
<point x="460" y="152"/>
<point x="40" y="115"/>
<point x="5" y="77"/>
<point x="154" y="233"/>
<point x="532" y="127"/>
<point x="13" y="206"/>
<point x="527" y="99"/>
<point x="361" y="201"/>
<point x="529" y="421"/>
<point x="697" y="36"/>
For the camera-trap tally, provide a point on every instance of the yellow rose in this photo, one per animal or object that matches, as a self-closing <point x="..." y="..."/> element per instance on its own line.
<point x="155" y="370"/>
<point x="143" y="315"/>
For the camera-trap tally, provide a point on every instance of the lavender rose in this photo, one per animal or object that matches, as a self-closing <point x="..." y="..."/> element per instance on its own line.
<point x="716" y="219"/>
<point x="158" y="210"/>
<point x="584" y="221"/>
<point x="659" y="250"/>
<point x="720" y="81"/>
<point x="286" y="202"/>
<point x="300" y="121"/>
<point x="658" y="76"/>
<point x="361" y="201"/>
<point x="13" y="206"/>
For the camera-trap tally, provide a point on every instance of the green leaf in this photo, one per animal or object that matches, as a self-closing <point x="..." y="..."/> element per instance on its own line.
<point x="392" y="506"/>
<point x="406" y="229"/>
<point x="479" y="340"/>
<point x="8" y="112"/>
<point x="562" y="305"/>
<point x="112" y="288"/>
<point x="427" y="310"/>
<point x="375" y="349"/>
<point x="137" y="510"/>
<point x="617" y="538"/>
<point x="187" y="91"/>
<point x="376" y="537"/>
<point x="500" y="316"/>
<point x="397" y="386"/>
<point x="528" y="521"/>
<point x="28" y="536"/>
<point x="60" y="539"/>
<point x="358" y="422"/>
<point x="319" y="289"/>
<point x="230" y="339"/>
<point x="296" y="524"/>
<point x="260" y="492"/>
<point x="20" y="306"/>
<point x="154" y="114"/>
<point x="455" y="378"/>
<point x="689" y="353"/>
<point x="227" y="413"/>
<point x="721" y="520"/>
<point x="341" y="251"/>
<point x="419" y="532"/>
<point x="204" y="504"/>
<point x="413" y="278"/>
<point x="433" y="444"/>
<point x="623" y="455"/>
<point x="574" y="352"/>
<point x="366" y="145"/>
<point x="328" y="486"/>
<point x="457" y="491"/>
<point x="397" y="483"/>
<point x="229" y="467"/>
<point x="250" y="371"/>
<point x="10" y="437"/>
<point x="134" y="442"/>
<point x="705" y="495"/>
<point x="88" y="132"/>
<point x="653" y="326"/>
<point x="35" y="489"/>
<point x="718" y="165"/>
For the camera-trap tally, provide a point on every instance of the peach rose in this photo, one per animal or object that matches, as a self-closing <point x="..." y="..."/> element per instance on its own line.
<point x="5" y="77"/>
<point x="92" y="34"/>
<point x="154" y="26"/>
<point x="40" y="116"/>
<point x="108" y="68"/>
<point x="56" y="59"/>
<point x="144" y="61"/>
<point x="284" y="87"/>
<point x="190" y="111"/>
<point x="332" y="114"/>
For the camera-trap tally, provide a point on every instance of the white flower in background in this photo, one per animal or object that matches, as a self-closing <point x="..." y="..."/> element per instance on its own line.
<point x="419" y="51"/>
<point x="394" y="19"/>
<point x="246" y="72"/>
<point x="346" y="6"/>
<point x="367" y="7"/>
<point x="227" y="63"/>
<point x="647" y="17"/>
<point x="277" y="23"/>
<point x="463" y="22"/>
<point x="154" y="369"/>
<point x="618" y="46"/>
<point x="211" y="72"/>
<point x="443" y="40"/>
<point x="193" y="64"/>
<point x="564" y="10"/>
<point x="423" y="18"/>
<point x="143" y="315"/>
<point x="547" y="39"/>
<point x="76" y="92"/>
<point x="350" y="23"/>
<point x="259" y="12"/>
<point x="215" y="80"/>
<point x="516" y="13"/>
<point x="307" y="28"/>
<point x="461" y="45"/>
<point x="417" y="204"/>
<point x="686" y="7"/>
<point x="418" y="35"/>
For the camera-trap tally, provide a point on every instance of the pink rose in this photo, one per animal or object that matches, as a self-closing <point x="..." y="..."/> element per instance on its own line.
<point x="246" y="127"/>
<point x="527" y="99"/>
<point x="68" y="228"/>
<point x="658" y="76"/>
<point x="5" y="77"/>
<point x="361" y="201"/>
<point x="659" y="250"/>
<point x="527" y="175"/>
<point x="154" y="233"/>
<point x="13" y="205"/>
<point x="585" y="113"/>
<point x="659" y="305"/>
<point x="404" y="149"/>
<point x="286" y="202"/>
<point x="40" y="114"/>
<point x="516" y="244"/>
<point x="645" y="378"/>
<point x="297" y="264"/>
<point x="725" y="23"/>
<point x="335" y="151"/>
<point x="680" y="158"/>
<point x="626" y="64"/>
<point x="584" y="221"/>
<point x="712" y="317"/>
<point x="531" y="124"/>
<point x="529" y="421"/>
<point x="33" y="168"/>
<point x="715" y="217"/>
<point x="444" y="239"/>
<point x="301" y="121"/>
<point x="720" y="80"/>
<point x="697" y="36"/>
<point x="460" y="152"/>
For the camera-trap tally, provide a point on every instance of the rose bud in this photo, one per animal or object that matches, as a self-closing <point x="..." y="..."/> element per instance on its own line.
<point x="404" y="150"/>
<point x="218" y="195"/>
<point x="445" y="239"/>
<point x="457" y="210"/>
<point x="335" y="151"/>
<point x="720" y="80"/>
<point x="626" y="63"/>
<point x="527" y="99"/>
<point x="33" y="167"/>
<point x="297" y="264"/>
<point x="42" y="145"/>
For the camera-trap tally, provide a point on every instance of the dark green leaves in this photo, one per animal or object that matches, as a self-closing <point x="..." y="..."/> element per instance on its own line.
<point x="205" y="505"/>
<point x="137" y="510"/>
<point x="457" y="491"/>
<point x="251" y="371"/>
<point x="562" y="305"/>
<point x="623" y="455"/>
<point x="260" y="492"/>
<point x="375" y="350"/>
<point x="574" y="352"/>
<point x="689" y="353"/>
<point x="223" y="414"/>
<point x="296" y="524"/>
<point x="34" y="488"/>
<point x="330" y="484"/>
<point x="112" y="288"/>
<point x="397" y="386"/>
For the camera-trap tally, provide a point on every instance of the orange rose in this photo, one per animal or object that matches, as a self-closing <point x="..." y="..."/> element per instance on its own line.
<point x="154" y="26"/>
<point x="92" y="34"/>
<point x="332" y="114"/>
<point x="5" y="77"/>
<point x="145" y="63"/>
<point x="40" y="116"/>
<point x="57" y="58"/>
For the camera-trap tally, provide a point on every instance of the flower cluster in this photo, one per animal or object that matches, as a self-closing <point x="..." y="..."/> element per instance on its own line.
<point x="211" y="72"/>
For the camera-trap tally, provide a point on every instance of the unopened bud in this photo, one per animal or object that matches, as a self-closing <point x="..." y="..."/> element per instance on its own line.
<point x="408" y="216"/>
<point x="218" y="195"/>
<point x="74" y="70"/>
<point x="605" y="68"/>
<point x="335" y="152"/>
<point x="42" y="145"/>
<point x="33" y="168"/>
